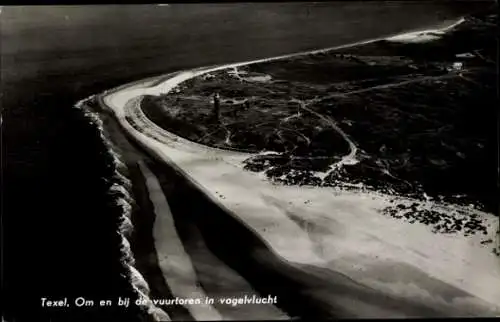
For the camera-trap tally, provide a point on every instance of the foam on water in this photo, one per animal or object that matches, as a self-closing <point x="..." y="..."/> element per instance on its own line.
<point x="120" y="190"/>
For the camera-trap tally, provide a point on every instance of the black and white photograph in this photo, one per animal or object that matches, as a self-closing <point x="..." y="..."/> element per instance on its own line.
<point x="207" y="161"/>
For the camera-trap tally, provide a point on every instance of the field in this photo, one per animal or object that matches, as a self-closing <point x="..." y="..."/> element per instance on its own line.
<point x="402" y="118"/>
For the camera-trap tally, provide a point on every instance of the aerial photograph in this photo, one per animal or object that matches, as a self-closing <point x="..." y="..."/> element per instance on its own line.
<point x="250" y="161"/>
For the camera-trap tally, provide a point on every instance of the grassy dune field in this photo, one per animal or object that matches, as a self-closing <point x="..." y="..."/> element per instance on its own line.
<point x="415" y="115"/>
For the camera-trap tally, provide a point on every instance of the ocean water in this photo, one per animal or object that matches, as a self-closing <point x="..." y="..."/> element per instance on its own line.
<point x="75" y="44"/>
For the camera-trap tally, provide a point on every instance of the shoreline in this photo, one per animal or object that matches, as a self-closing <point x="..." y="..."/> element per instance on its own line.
<point x="153" y="84"/>
<point x="207" y="263"/>
<point x="225" y="193"/>
<point x="433" y="33"/>
<point x="156" y="80"/>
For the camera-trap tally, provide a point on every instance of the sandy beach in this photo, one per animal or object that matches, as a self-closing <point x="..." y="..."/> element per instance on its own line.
<point x="329" y="233"/>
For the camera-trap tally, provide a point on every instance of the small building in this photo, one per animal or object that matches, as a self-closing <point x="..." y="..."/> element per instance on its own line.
<point x="456" y="66"/>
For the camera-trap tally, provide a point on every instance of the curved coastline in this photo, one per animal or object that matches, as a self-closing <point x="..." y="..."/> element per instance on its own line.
<point x="291" y="255"/>
<point x="152" y="85"/>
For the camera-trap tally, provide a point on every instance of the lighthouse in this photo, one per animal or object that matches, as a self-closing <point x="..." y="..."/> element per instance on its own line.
<point x="216" y="110"/>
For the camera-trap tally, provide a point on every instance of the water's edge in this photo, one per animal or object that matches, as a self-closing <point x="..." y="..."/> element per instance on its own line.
<point x="121" y="190"/>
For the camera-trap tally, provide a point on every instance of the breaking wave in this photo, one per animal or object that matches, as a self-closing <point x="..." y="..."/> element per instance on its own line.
<point x="119" y="190"/>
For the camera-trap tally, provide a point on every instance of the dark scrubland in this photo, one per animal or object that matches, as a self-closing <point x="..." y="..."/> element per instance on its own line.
<point x="419" y="124"/>
<point x="441" y="222"/>
<point x="258" y="127"/>
<point x="437" y="134"/>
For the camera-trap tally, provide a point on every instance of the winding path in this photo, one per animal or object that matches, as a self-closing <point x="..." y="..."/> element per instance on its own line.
<point x="348" y="159"/>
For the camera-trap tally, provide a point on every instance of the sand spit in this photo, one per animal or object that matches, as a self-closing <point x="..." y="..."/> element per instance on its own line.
<point x="328" y="228"/>
<point x="424" y="35"/>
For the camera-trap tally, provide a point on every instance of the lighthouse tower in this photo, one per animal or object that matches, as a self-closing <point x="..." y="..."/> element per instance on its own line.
<point x="216" y="110"/>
